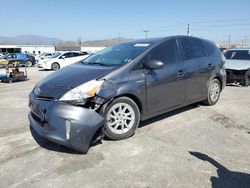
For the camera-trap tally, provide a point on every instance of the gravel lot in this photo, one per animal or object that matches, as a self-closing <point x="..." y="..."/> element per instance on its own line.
<point x="196" y="146"/>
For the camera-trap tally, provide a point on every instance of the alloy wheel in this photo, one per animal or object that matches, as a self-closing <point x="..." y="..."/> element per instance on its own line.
<point x="120" y="118"/>
<point x="214" y="91"/>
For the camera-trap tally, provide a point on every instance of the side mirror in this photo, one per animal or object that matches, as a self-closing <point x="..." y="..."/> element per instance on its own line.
<point x="154" y="65"/>
<point x="63" y="57"/>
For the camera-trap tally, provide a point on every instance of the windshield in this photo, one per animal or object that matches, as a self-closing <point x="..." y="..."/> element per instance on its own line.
<point x="238" y="54"/>
<point x="56" y="54"/>
<point x="118" y="54"/>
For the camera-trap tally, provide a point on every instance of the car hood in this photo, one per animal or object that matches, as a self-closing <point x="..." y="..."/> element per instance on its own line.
<point x="58" y="83"/>
<point x="237" y="64"/>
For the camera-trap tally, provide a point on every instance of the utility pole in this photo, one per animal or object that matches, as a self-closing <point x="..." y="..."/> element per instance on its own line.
<point x="119" y="37"/>
<point x="80" y="43"/>
<point x="146" y="33"/>
<point x="188" y="29"/>
<point x="229" y="41"/>
<point x="246" y="40"/>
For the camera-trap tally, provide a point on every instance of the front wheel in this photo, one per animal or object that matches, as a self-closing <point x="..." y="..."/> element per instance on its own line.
<point x="213" y="92"/>
<point x="55" y="66"/>
<point x="122" y="118"/>
<point x="28" y="64"/>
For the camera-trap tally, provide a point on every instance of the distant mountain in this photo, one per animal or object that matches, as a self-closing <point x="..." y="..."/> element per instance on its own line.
<point x="106" y="42"/>
<point x="30" y="39"/>
<point x="36" y="40"/>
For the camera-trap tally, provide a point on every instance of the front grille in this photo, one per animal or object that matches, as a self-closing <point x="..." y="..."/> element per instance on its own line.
<point x="43" y="124"/>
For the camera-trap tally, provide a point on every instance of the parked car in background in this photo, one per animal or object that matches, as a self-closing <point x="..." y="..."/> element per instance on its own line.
<point x="2" y="54"/>
<point x="238" y="66"/>
<point x="21" y="58"/>
<point x="45" y="55"/>
<point x="110" y="92"/>
<point x="3" y="60"/>
<point x="62" y="59"/>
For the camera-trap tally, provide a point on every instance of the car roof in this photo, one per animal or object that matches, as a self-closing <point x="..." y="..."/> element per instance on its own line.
<point x="162" y="39"/>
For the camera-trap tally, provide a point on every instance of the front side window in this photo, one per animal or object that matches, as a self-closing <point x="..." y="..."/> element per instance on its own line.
<point x="167" y="52"/>
<point x="192" y="48"/>
<point x="66" y="55"/>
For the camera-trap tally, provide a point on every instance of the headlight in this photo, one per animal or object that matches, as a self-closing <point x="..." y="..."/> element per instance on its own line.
<point x="82" y="92"/>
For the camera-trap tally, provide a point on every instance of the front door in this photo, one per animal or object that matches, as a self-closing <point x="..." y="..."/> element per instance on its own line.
<point x="165" y="87"/>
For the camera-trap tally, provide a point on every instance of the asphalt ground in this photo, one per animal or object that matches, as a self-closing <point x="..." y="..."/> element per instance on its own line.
<point x="195" y="146"/>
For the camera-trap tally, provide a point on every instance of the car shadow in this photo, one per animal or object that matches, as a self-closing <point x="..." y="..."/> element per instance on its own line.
<point x="226" y="178"/>
<point x="44" y="70"/>
<point x="168" y="114"/>
<point x="46" y="144"/>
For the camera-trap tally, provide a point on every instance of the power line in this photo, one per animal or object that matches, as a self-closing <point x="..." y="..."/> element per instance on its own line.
<point x="221" y="21"/>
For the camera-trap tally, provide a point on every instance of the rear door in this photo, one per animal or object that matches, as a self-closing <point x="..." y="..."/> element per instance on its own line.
<point x="197" y="67"/>
<point x="165" y="87"/>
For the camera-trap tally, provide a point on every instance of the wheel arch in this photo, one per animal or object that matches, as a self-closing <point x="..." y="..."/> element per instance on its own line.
<point x="220" y="80"/>
<point x="132" y="97"/>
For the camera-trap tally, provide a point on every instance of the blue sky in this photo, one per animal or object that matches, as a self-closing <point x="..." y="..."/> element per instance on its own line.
<point x="99" y="19"/>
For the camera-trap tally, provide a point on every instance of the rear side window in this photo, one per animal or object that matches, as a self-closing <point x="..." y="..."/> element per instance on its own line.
<point x="166" y="52"/>
<point x="238" y="54"/>
<point x="210" y="48"/>
<point x="192" y="48"/>
<point x="74" y="54"/>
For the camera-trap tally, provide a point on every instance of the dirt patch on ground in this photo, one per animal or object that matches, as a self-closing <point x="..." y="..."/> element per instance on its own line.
<point x="227" y="122"/>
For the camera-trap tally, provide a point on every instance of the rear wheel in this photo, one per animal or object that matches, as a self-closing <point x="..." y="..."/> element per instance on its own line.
<point x="122" y="118"/>
<point x="55" y="66"/>
<point x="213" y="92"/>
<point x="28" y="64"/>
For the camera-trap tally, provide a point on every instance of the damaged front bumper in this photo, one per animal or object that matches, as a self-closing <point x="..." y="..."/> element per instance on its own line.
<point x="236" y="76"/>
<point x="64" y="124"/>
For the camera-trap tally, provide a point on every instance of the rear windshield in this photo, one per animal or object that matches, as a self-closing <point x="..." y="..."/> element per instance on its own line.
<point x="238" y="54"/>
<point x="118" y="54"/>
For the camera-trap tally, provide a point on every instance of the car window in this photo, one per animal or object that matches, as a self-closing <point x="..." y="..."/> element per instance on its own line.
<point x="192" y="48"/>
<point x="210" y="48"/>
<point x="83" y="53"/>
<point x="166" y="52"/>
<point x="12" y="56"/>
<point x="66" y="55"/>
<point x="74" y="54"/>
<point x="238" y="54"/>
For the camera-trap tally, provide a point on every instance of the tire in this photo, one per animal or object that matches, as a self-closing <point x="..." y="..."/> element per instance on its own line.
<point x="55" y="66"/>
<point x="28" y="63"/>
<point x="213" y="92"/>
<point x="118" y="125"/>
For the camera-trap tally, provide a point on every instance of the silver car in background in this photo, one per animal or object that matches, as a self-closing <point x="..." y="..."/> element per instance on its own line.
<point x="238" y="66"/>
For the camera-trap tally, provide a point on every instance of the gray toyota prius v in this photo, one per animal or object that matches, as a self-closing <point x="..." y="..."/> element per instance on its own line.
<point x="110" y="92"/>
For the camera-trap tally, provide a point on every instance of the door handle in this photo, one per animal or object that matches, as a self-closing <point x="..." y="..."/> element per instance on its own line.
<point x="210" y="66"/>
<point x="180" y="73"/>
